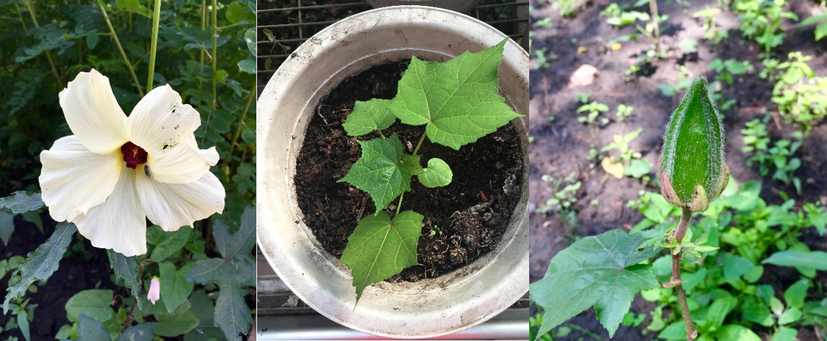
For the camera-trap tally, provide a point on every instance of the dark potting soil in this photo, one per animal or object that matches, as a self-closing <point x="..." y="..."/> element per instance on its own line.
<point x="463" y="220"/>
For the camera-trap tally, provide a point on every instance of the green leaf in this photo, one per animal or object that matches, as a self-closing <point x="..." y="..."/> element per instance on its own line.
<point x="175" y="288"/>
<point x="378" y="171"/>
<point x="133" y="6"/>
<point x="785" y="334"/>
<point x="170" y="243"/>
<point x="21" y="202"/>
<point x="93" y="303"/>
<point x="821" y="31"/>
<point x="242" y="241"/>
<point x="693" y="166"/>
<point x="789" y="316"/>
<point x="235" y="13"/>
<point x="176" y="324"/>
<point x="438" y="174"/>
<point x="458" y="99"/>
<point x="734" y="332"/>
<point x="92" y="40"/>
<point x="247" y="65"/>
<point x="813" y="259"/>
<point x="140" y="332"/>
<point x="719" y="309"/>
<point x="368" y="117"/>
<point x="736" y="266"/>
<point x="90" y="329"/>
<point x="380" y="247"/>
<point x="6" y="226"/>
<point x="232" y="313"/>
<point x="126" y="272"/>
<point x="638" y="168"/>
<point x="42" y="263"/>
<point x="250" y="38"/>
<point x="412" y="163"/>
<point x="796" y="293"/>
<point x="203" y="308"/>
<point x="600" y="271"/>
<point x="758" y="313"/>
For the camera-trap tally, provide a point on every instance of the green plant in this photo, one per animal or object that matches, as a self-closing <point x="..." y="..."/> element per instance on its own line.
<point x="592" y="109"/>
<point x="779" y="157"/>
<point x="629" y="162"/>
<point x="624" y="111"/>
<point x="455" y="111"/>
<point x="563" y="194"/>
<point x="711" y="30"/>
<point x="540" y="59"/>
<point x="799" y="93"/>
<point x="761" y="21"/>
<point x="725" y="70"/>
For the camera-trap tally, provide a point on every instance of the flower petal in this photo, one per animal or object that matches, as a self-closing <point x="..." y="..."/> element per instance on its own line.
<point x="174" y="205"/>
<point x="93" y="113"/>
<point x="119" y="223"/>
<point x="160" y="121"/>
<point x="182" y="163"/>
<point x="74" y="179"/>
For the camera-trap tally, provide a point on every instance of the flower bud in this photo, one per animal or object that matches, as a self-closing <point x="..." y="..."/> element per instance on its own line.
<point x="693" y="169"/>
<point x="154" y="290"/>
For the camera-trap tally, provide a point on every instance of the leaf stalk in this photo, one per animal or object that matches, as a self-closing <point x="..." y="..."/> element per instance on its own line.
<point x="156" y="20"/>
<point x="675" y="280"/>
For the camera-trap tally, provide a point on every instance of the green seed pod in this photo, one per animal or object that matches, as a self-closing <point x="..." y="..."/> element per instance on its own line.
<point x="693" y="169"/>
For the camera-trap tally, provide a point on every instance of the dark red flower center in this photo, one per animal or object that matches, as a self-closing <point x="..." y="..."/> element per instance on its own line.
<point x="133" y="155"/>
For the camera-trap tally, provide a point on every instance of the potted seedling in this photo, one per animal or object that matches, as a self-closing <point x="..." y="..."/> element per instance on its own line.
<point x="439" y="40"/>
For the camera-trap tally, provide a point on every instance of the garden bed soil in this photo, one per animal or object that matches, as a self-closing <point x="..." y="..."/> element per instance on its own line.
<point x="77" y="272"/>
<point x="463" y="221"/>
<point x="560" y="147"/>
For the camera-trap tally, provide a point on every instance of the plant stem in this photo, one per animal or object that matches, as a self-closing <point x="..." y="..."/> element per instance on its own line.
<point x="29" y="6"/>
<point x="653" y="7"/>
<point x="156" y="20"/>
<point x="241" y="120"/>
<point x="420" y="142"/>
<point x="214" y="24"/>
<point x="120" y="48"/>
<point x="399" y="205"/>
<point x="675" y="280"/>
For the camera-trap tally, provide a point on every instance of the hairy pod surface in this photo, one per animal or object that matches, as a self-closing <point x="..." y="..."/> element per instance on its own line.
<point x="693" y="169"/>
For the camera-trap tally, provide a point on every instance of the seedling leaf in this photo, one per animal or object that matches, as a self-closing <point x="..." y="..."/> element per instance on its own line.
<point x="438" y="174"/>
<point x="378" y="171"/>
<point x="368" y="117"/>
<point x="813" y="259"/>
<point x="380" y="247"/>
<point x="600" y="271"/>
<point x="458" y="99"/>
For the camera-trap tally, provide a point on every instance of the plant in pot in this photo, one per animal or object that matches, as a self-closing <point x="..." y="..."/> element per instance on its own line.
<point x="292" y="103"/>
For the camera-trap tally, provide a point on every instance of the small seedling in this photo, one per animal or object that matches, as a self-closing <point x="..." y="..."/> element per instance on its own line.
<point x="563" y="194"/>
<point x="383" y="245"/>
<point x="592" y="109"/>
<point x="624" y="111"/>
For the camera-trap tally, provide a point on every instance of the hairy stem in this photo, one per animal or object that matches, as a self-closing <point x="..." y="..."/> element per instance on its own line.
<point x="30" y="8"/>
<point x="120" y="48"/>
<point x="156" y="20"/>
<point x="675" y="280"/>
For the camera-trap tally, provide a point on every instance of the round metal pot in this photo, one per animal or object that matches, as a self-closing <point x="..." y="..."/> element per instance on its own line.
<point x="427" y="308"/>
<point x="463" y="6"/>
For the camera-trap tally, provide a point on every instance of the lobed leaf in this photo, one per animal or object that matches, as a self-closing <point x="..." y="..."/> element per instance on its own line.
<point x="139" y="332"/>
<point x="380" y="247"/>
<point x="90" y="329"/>
<point x="42" y="263"/>
<point x="368" y="117"/>
<point x="601" y="271"/>
<point x="378" y="171"/>
<point x="242" y="241"/>
<point x="458" y="100"/>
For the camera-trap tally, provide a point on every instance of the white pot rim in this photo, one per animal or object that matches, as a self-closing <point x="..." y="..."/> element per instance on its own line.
<point x="427" y="308"/>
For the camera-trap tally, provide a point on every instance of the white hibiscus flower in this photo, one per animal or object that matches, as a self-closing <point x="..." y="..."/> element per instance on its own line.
<point x="116" y="171"/>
